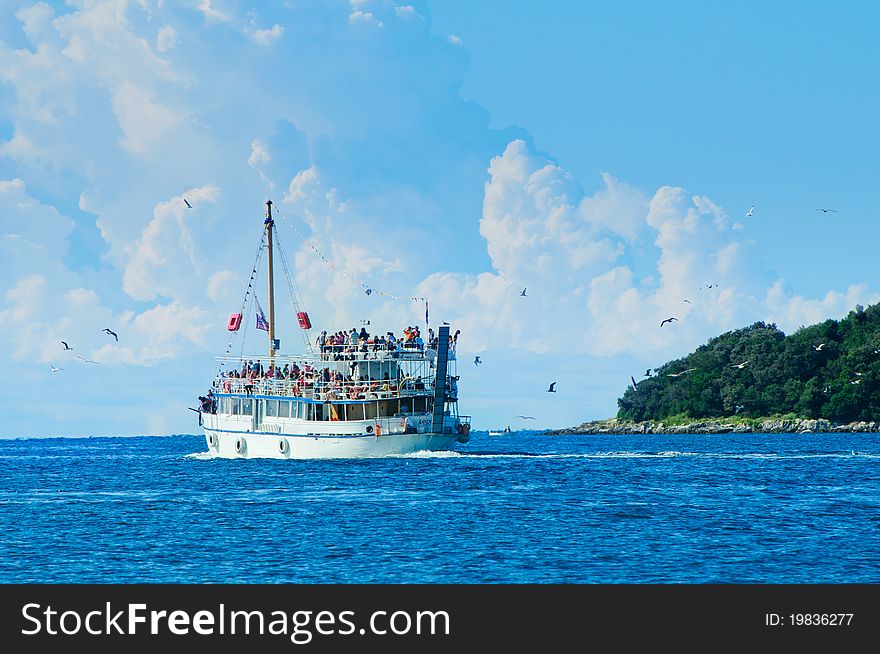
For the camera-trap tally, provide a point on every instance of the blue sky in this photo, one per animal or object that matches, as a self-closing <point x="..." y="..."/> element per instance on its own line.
<point x="603" y="155"/>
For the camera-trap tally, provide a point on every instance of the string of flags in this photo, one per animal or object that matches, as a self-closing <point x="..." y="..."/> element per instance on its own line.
<point x="368" y="290"/>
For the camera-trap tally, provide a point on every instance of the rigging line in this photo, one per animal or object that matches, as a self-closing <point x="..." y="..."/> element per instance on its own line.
<point x="244" y="304"/>
<point x="344" y="273"/>
<point x="295" y="295"/>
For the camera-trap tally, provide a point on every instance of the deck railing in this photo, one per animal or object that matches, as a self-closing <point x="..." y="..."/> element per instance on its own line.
<point x="325" y="390"/>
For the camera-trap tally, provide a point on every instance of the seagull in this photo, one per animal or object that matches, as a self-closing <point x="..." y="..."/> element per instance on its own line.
<point x="667" y="320"/>
<point x="186" y="202"/>
<point x="740" y="365"/>
<point x="66" y="346"/>
<point x="749" y="212"/>
<point x="552" y="389"/>
<point x="819" y="346"/>
<point x="648" y="372"/>
<point x="368" y="291"/>
<point x="526" y="417"/>
<point x="679" y="374"/>
<point x="110" y="332"/>
<point x="523" y="293"/>
<point x="84" y="360"/>
<point x="738" y="407"/>
<point x="55" y="369"/>
<point x="827" y="210"/>
<point x="444" y="323"/>
<point x="712" y="285"/>
<point x="857" y="381"/>
<point x="685" y="300"/>
<point x="860" y="374"/>
<point x="633" y="379"/>
<point x="477" y="361"/>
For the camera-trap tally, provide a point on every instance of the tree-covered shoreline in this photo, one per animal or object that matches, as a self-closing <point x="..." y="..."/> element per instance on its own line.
<point x="827" y="371"/>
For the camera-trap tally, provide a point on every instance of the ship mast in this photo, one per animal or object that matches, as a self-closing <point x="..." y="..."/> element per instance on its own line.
<point x="269" y="228"/>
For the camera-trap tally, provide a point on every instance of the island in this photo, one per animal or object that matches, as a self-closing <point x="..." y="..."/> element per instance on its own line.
<point x="821" y="378"/>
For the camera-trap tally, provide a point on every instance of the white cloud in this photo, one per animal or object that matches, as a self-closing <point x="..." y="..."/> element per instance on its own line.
<point x="790" y="311"/>
<point x="259" y="154"/>
<point x="144" y="122"/>
<point x="407" y="12"/>
<point x="358" y="17"/>
<point x="266" y="37"/>
<point x="164" y="261"/>
<point x="211" y="13"/>
<point x="166" y="38"/>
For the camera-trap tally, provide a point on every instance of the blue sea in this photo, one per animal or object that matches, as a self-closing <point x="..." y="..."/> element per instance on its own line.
<point x="522" y="507"/>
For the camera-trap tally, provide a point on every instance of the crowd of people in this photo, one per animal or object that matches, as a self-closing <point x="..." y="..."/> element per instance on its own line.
<point x="305" y="380"/>
<point x="344" y="345"/>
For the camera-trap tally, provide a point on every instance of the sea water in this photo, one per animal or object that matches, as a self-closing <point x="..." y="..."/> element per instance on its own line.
<point x="521" y="507"/>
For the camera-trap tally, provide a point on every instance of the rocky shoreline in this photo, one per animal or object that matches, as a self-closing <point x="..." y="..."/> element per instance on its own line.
<point x="718" y="426"/>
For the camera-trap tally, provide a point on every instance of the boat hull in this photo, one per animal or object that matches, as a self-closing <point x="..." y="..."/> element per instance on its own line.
<point x="250" y="445"/>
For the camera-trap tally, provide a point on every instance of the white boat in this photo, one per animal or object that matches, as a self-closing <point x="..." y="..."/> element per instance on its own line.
<point x="368" y="398"/>
<point x="499" y="432"/>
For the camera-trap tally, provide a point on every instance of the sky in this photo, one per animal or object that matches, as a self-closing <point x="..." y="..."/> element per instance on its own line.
<point x="603" y="156"/>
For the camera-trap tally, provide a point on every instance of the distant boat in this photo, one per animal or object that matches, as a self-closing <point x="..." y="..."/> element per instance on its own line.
<point x="506" y="430"/>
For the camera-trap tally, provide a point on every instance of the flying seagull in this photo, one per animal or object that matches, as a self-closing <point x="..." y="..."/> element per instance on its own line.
<point x="819" y="346"/>
<point x="477" y="361"/>
<point x="648" y="372"/>
<point x="857" y="381"/>
<point x="84" y="360"/>
<point x="679" y="374"/>
<point x="526" y="417"/>
<point x="712" y="285"/>
<point x="738" y="407"/>
<point x="860" y="374"/>
<point x="633" y="379"/>
<point x="186" y="202"/>
<point x="749" y="212"/>
<point x="523" y="293"/>
<point x="827" y="210"/>
<point x="685" y="300"/>
<point x="740" y="365"/>
<point x="111" y="333"/>
<point x="663" y="322"/>
<point x="55" y="369"/>
<point x="66" y="346"/>
<point x="444" y="323"/>
<point x="552" y="388"/>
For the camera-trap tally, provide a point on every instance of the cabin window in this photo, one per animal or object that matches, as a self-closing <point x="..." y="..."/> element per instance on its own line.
<point x="271" y="408"/>
<point x="247" y="407"/>
<point x="319" y="412"/>
<point x="419" y="404"/>
<point x="355" y="412"/>
<point x="388" y="408"/>
<point x="310" y="411"/>
<point x="370" y="410"/>
<point x="283" y="409"/>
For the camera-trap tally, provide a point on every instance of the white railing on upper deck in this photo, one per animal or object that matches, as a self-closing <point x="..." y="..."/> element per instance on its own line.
<point x="318" y="389"/>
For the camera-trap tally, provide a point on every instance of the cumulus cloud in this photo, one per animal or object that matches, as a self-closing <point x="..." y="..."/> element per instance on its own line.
<point x="266" y="37"/>
<point x="358" y="17"/>
<point x="165" y="258"/>
<point x="407" y="12"/>
<point x="166" y="38"/>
